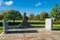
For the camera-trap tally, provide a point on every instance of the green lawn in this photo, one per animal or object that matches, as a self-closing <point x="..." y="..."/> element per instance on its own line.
<point x="21" y="21"/>
<point x="1" y="29"/>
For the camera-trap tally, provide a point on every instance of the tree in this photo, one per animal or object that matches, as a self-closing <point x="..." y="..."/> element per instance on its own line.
<point x="55" y="11"/>
<point x="43" y="16"/>
<point x="1" y="16"/>
<point x="31" y="16"/>
<point x="12" y="14"/>
<point x="58" y="15"/>
<point x="37" y="17"/>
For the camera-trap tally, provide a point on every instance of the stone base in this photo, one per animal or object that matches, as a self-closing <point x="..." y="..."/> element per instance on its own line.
<point x="25" y="24"/>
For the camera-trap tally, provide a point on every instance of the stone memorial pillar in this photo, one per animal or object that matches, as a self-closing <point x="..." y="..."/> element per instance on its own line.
<point x="49" y="24"/>
<point x="5" y="25"/>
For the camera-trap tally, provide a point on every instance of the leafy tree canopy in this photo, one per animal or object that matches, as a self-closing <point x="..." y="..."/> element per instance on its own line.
<point x="12" y="14"/>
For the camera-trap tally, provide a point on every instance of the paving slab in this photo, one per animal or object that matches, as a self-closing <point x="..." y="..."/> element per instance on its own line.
<point x="42" y="34"/>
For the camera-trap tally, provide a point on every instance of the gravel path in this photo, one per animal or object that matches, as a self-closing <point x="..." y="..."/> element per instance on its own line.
<point x="42" y="34"/>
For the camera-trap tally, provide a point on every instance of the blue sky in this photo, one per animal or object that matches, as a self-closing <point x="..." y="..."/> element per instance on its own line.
<point x="29" y="6"/>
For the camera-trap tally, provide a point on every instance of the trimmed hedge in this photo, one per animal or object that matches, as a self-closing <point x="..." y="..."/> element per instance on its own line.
<point x="16" y="23"/>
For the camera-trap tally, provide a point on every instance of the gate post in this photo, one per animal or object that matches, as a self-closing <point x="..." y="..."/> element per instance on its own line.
<point x="49" y="23"/>
<point x="5" y="25"/>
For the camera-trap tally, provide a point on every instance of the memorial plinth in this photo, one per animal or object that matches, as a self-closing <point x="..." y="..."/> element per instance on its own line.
<point x="49" y="24"/>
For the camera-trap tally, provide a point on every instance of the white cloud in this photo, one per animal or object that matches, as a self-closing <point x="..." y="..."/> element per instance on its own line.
<point x="38" y="4"/>
<point x="9" y="3"/>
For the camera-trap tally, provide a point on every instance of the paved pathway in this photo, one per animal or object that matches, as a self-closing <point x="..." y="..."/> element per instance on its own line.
<point x="42" y="34"/>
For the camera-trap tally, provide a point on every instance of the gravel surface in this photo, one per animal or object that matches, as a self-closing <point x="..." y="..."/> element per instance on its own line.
<point x="41" y="34"/>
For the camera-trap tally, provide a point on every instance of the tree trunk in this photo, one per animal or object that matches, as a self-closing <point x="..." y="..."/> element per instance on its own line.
<point x="13" y="20"/>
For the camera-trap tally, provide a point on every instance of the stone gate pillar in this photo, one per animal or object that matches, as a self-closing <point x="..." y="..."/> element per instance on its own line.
<point x="5" y="25"/>
<point x="49" y="23"/>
